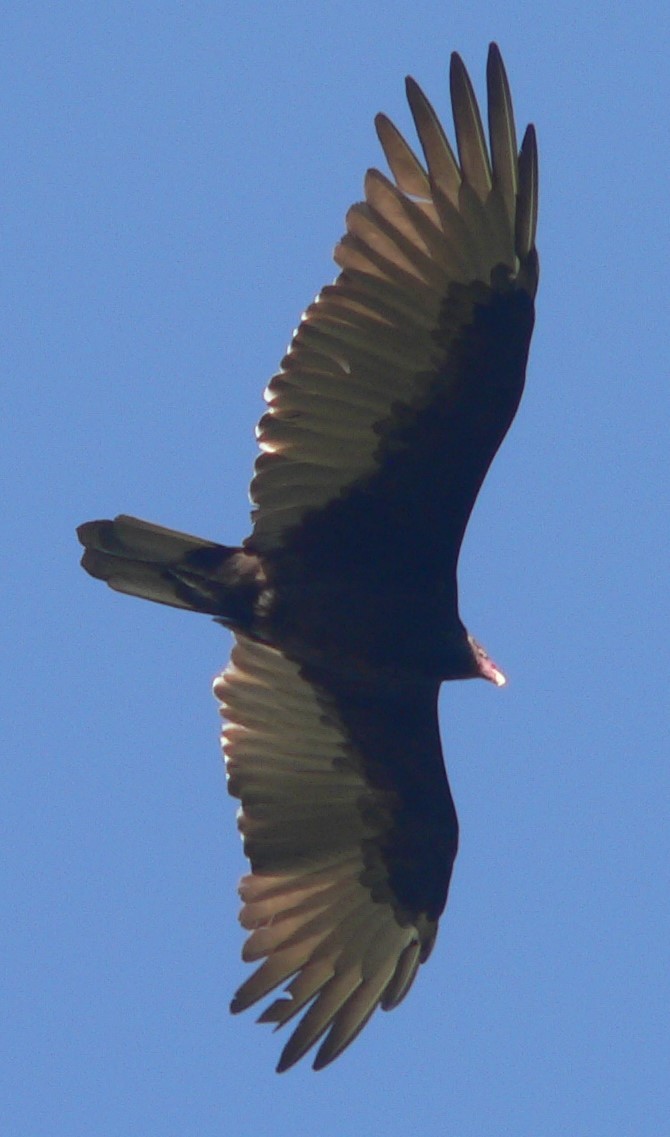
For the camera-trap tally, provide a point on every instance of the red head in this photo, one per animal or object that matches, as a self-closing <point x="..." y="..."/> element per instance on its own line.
<point x="485" y="668"/>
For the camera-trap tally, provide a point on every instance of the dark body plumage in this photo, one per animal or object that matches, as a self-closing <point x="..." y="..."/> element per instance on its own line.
<point x="399" y="386"/>
<point x="372" y="574"/>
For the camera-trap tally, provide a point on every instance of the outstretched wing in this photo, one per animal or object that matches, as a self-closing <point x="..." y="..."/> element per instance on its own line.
<point x="417" y="353"/>
<point x="351" y="832"/>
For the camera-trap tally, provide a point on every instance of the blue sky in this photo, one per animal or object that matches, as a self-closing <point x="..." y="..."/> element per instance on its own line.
<point x="175" y="177"/>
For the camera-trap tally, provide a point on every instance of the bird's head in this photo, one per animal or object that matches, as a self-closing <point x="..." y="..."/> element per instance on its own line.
<point x="484" y="667"/>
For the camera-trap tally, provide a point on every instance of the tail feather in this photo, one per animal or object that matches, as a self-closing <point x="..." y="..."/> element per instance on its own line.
<point x="168" y="567"/>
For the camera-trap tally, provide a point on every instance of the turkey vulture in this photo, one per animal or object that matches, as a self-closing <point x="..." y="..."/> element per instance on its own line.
<point x="395" y="394"/>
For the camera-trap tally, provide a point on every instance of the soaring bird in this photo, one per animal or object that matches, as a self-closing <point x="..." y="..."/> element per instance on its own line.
<point x="398" y="387"/>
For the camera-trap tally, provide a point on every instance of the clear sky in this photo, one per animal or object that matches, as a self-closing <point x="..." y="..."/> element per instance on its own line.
<point x="174" y="178"/>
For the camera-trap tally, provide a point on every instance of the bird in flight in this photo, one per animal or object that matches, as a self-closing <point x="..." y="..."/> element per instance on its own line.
<point x="398" y="387"/>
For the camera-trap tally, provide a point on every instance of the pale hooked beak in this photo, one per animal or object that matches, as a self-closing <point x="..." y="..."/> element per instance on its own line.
<point x="486" y="668"/>
<point x="490" y="671"/>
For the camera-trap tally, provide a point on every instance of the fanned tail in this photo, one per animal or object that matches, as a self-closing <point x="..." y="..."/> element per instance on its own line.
<point x="168" y="567"/>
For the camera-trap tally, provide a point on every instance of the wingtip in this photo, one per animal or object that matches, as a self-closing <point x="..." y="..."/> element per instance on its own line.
<point x="321" y="1061"/>
<point x="495" y="66"/>
<point x="459" y="77"/>
<point x="527" y="200"/>
<point x="286" y="1060"/>
<point x="530" y="137"/>
<point x="411" y="88"/>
